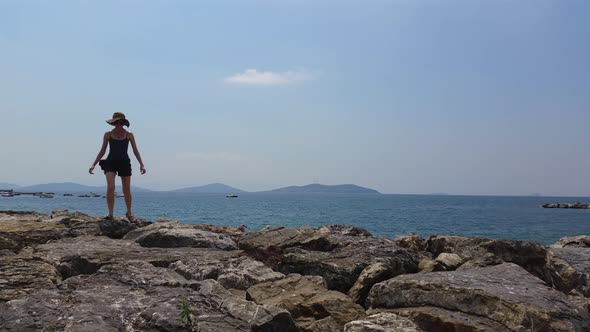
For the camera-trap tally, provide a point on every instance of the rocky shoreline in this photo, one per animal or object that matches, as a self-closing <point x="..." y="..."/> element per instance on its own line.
<point x="67" y="271"/>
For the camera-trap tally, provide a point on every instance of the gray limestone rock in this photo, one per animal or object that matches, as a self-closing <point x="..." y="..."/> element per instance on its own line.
<point x="382" y="322"/>
<point x="22" y="276"/>
<point x="342" y="266"/>
<point x="87" y="254"/>
<point x="449" y="262"/>
<point x="569" y="269"/>
<point x="231" y="272"/>
<point x="311" y="304"/>
<point x="174" y="235"/>
<point x="505" y="294"/>
<point x="529" y="255"/>
<point x="581" y="241"/>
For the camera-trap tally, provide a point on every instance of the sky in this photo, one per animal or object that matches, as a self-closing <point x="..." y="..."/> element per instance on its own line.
<point x="402" y="96"/>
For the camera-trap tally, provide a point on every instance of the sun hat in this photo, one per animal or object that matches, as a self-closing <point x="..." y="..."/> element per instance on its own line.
<point x="116" y="117"/>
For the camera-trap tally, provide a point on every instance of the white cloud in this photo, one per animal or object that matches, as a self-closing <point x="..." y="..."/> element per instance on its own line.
<point x="255" y="77"/>
<point x="213" y="156"/>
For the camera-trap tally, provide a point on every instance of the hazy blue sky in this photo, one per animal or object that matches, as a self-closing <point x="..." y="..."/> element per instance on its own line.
<point x="406" y="96"/>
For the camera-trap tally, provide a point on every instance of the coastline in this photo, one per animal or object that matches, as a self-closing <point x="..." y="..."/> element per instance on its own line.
<point x="328" y="278"/>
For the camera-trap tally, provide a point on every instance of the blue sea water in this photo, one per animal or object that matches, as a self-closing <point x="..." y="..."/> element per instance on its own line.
<point x="383" y="215"/>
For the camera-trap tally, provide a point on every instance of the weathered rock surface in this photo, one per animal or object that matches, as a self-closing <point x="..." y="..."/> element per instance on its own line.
<point x="439" y="319"/>
<point x="172" y="234"/>
<point x="449" y="262"/>
<point x="529" y="255"/>
<point x="231" y="272"/>
<point x="569" y="269"/>
<point x="113" y="307"/>
<point x="311" y="304"/>
<point x="21" y="276"/>
<point x="581" y="241"/>
<point x="505" y="294"/>
<point x="86" y="254"/>
<point x="413" y="242"/>
<point x="342" y="266"/>
<point x="382" y="322"/>
<point x="22" y="229"/>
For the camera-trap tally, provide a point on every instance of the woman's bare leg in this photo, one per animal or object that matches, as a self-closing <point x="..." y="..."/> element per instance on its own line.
<point x="110" y="191"/>
<point x="126" y="182"/>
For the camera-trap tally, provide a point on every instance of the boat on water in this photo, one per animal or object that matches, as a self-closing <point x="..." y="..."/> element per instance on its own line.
<point x="45" y="196"/>
<point x="85" y="195"/>
<point x="119" y="194"/>
<point x="231" y="195"/>
<point x="7" y="195"/>
<point x="68" y="195"/>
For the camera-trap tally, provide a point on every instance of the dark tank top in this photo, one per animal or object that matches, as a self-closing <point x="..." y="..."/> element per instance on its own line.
<point x="118" y="149"/>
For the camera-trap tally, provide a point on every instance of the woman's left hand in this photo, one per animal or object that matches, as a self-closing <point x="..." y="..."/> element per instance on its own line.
<point x="142" y="169"/>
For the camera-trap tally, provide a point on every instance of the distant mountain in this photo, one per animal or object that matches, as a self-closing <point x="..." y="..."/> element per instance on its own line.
<point x="321" y="188"/>
<point x="218" y="188"/>
<point x="4" y="185"/>
<point x="72" y="187"/>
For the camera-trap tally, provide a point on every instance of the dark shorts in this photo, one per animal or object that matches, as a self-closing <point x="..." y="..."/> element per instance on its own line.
<point x="121" y="167"/>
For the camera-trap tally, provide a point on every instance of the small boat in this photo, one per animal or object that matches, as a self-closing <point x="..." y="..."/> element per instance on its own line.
<point x="85" y="195"/>
<point x="7" y="195"/>
<point x="231" y="195"/>
<point x="94" y="195"/>
<point x="46" y="196"/>
<point x="119" y="195"/>
<point x="68" y="195"/>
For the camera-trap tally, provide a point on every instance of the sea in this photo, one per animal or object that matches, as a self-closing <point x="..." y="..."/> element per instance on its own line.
<point x="519" y="218"/>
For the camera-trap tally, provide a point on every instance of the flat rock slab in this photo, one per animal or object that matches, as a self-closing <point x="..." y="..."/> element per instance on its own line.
<point x="21" y="276"/>
<point x="172" y="234"/>
<point x="311" y="304"/>
<point x="126" y="308"/>
<point x="569" y="269"/>
<point x="22" y="229"/>
<point x="505" y="293"/>
<point x="87" y="254"/>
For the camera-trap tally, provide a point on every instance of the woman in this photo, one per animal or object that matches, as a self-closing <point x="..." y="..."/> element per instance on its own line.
<point x="118" y="162"/>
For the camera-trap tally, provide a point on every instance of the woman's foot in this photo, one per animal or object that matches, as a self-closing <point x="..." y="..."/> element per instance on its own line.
<point x="130" y="217"/>
<point x="109" y="217"/>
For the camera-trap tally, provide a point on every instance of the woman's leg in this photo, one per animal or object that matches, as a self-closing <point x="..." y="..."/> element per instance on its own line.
<point x="110" y="191"/>
<point x="126" y="182"/>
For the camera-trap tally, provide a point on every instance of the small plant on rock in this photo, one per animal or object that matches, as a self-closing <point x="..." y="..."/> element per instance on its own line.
<point x="186" y="316"/>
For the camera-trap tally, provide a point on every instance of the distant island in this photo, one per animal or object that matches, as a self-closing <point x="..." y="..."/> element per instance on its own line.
<point x="321" y="188"/>
<point x="219" y="188"/>
<point x="64" y="187"/>
<point x="214" y="188"/>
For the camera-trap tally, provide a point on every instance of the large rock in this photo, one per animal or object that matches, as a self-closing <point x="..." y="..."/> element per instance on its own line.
<point x="231" y="272"/>
<point x="342" y="266"/>
<point x="439" y="319"/>
<point x="382" y="322"/>
<point x="171" y="234"/>
<point x="21" y="276"/>
<point x="529" y="255"/>
<point x="22" y="229"/>
<point x="505" y="294"/>
<point x="581" y="241"/>
<point x="87" y="254"/>
<point x="115" y="307"/>
<point x="569" y="269"/>
<point x="267" y="245"/>
<point x="311" y="304"/>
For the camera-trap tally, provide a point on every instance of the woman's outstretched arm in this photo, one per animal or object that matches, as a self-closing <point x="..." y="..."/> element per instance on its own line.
<point x="136" y="153"/>
<point x="103" y="149"/>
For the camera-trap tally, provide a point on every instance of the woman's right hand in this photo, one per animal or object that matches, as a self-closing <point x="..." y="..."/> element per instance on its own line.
<point x="91" y="170"/>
